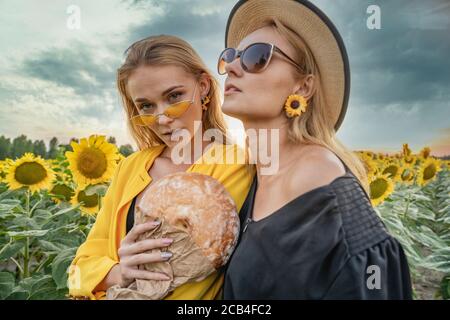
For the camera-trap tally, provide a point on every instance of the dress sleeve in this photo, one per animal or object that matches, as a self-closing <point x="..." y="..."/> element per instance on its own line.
<point x="379" y="272"/>
<point x="92" y="261"/>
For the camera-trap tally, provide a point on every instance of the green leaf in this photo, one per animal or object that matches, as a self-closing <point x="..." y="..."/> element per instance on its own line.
<point x="65" y="210"/>
<point x="60" y="265"/>
<point x="7" y="283"/>
<point x="25" y="222"/>
<point x="445" y="287"/>
<point x="42" y="288"/>
<point x="41" y="216"/>
<point x="51" y="247"/>
<point x="9" y="201"/>
<point x="18" y="295"/>
<point x="49" y="293"/>
<point x="26" y="234"/>
<point x="11" y="249"/>
<point x="7" y="208"/>
<point x="99" y="189"/>
<point x="67" y="241"/>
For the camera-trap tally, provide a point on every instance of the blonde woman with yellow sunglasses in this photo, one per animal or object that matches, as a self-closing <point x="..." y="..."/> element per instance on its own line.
<point x="165" y="88"/>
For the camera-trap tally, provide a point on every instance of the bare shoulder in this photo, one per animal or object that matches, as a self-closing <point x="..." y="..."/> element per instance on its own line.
<point x="317" y="167"/>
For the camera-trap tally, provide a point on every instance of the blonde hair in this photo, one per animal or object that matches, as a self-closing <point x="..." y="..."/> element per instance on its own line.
<point x="167" y="50"/>
<point x="315" y="126"/>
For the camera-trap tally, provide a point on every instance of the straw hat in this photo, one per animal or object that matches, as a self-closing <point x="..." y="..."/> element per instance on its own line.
<point x="315" y="28"/>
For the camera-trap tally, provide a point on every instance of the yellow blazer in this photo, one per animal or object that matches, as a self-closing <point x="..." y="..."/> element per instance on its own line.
<point x="98" y="254"/>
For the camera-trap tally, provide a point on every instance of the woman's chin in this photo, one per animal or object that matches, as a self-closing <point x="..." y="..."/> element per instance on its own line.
<point x="232" y="109"/>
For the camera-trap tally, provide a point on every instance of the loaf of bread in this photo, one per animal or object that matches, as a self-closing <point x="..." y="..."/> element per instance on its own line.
<point x="199" y="214"/>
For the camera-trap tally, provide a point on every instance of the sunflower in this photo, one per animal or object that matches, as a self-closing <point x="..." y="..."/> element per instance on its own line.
<point x="425" y="153"/>
<point x="406" y="150"/>
<point x="31" y="172"/>
<point x="369" y="165"/>
<point x="381" y="186"/>
<point x="364" y="153"/>
<point x="61" y="192"/>
<point x="369" y="154"/>
<point x="88" y="204"/>
<point x="446" y="164"/>
<point x="92" y="161"/>
<point x="407" y="175"/>
<point x="63" y="177"/>
<point x="428" y="171"/>
<point x="2" y="171"/>
<point x="295" y="105"/>
<point x="392" y="169"/>
<point x="120" y="158"/>
<point x="409" y="160"/>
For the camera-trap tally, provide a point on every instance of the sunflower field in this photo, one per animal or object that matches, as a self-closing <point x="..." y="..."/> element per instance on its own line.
<point x="47" y="208"/>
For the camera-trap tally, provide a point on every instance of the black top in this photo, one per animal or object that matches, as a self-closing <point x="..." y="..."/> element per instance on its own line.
<point x="328" y="243"/>
<point x="130" y="215"/>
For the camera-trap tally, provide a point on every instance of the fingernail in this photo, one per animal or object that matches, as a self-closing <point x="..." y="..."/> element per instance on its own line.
<point x="155" y="223"/>
<point x="166" y="255"/>
<point x="167" y="241"/>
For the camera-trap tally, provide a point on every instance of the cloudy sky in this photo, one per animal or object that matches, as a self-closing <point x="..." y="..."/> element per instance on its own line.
<point x="56" y="80"/>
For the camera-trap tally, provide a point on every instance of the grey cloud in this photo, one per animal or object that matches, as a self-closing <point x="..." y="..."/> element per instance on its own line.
<point x="205" y="31"/>
<point x="405" y="61"/>
<point x="74" y="67"/>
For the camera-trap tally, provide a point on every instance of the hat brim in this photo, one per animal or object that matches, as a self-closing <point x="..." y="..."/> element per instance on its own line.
<point x="319" y="34"/>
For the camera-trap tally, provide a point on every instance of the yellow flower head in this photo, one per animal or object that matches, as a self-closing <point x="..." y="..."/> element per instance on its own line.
<point x="381" y="186"/>
<point x="88" y="204"/>
<point x="425" y="152"/>
<point x="120" y="158"/>
<point x="61" y="192"/>
<point x="295" y="105"/>
<point x="369" y="164"/>
<point x="407" y="175"/>
<point x="428" y="171"/>
<point x="2" y="171"/>
<point x="369" y="154"/>
<point x="31" y="172"/>
<point x="392" y="169"/>
<point x="447" y="164"/>
<point x="406" y="150"/>
<point x="92" y="161"/>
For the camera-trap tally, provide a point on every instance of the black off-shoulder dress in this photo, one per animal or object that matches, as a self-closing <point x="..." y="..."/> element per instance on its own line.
<point x="328" y="243"/>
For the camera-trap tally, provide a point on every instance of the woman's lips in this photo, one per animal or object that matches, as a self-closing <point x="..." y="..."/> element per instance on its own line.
<point x="168" y="134"/>
<point x="230" y="89"/>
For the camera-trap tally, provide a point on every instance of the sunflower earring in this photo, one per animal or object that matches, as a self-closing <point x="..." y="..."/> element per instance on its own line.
<point x="205" y="102"/>
<point x="295" y="105"/>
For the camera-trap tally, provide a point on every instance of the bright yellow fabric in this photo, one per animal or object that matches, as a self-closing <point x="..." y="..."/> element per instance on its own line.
<point x="98" y="254"/>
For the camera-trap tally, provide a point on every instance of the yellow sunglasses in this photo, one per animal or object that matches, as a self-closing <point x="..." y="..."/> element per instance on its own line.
<point x="172" y="111"/>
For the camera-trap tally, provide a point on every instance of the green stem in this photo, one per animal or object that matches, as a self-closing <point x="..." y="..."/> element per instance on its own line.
<point x="99" y="202"/>
<point x="26" y="251"/>
<point x="407" y="204"/>
<point x="34" y="207"/>
<point x="17" y="264"/>
<point x="6" y="246"/>
<point x="39" y="267"/>
<point x="409" y="197"/>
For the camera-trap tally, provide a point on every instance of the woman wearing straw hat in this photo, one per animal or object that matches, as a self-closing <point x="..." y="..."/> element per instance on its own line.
<point x="309" y="230"/>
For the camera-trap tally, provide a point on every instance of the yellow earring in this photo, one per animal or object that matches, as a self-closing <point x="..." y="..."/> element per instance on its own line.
<point x="205" y="102"/>
<point x="295" y="105"/>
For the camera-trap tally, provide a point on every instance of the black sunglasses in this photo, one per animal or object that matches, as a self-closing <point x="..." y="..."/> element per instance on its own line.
<point x="255" y="58"/>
